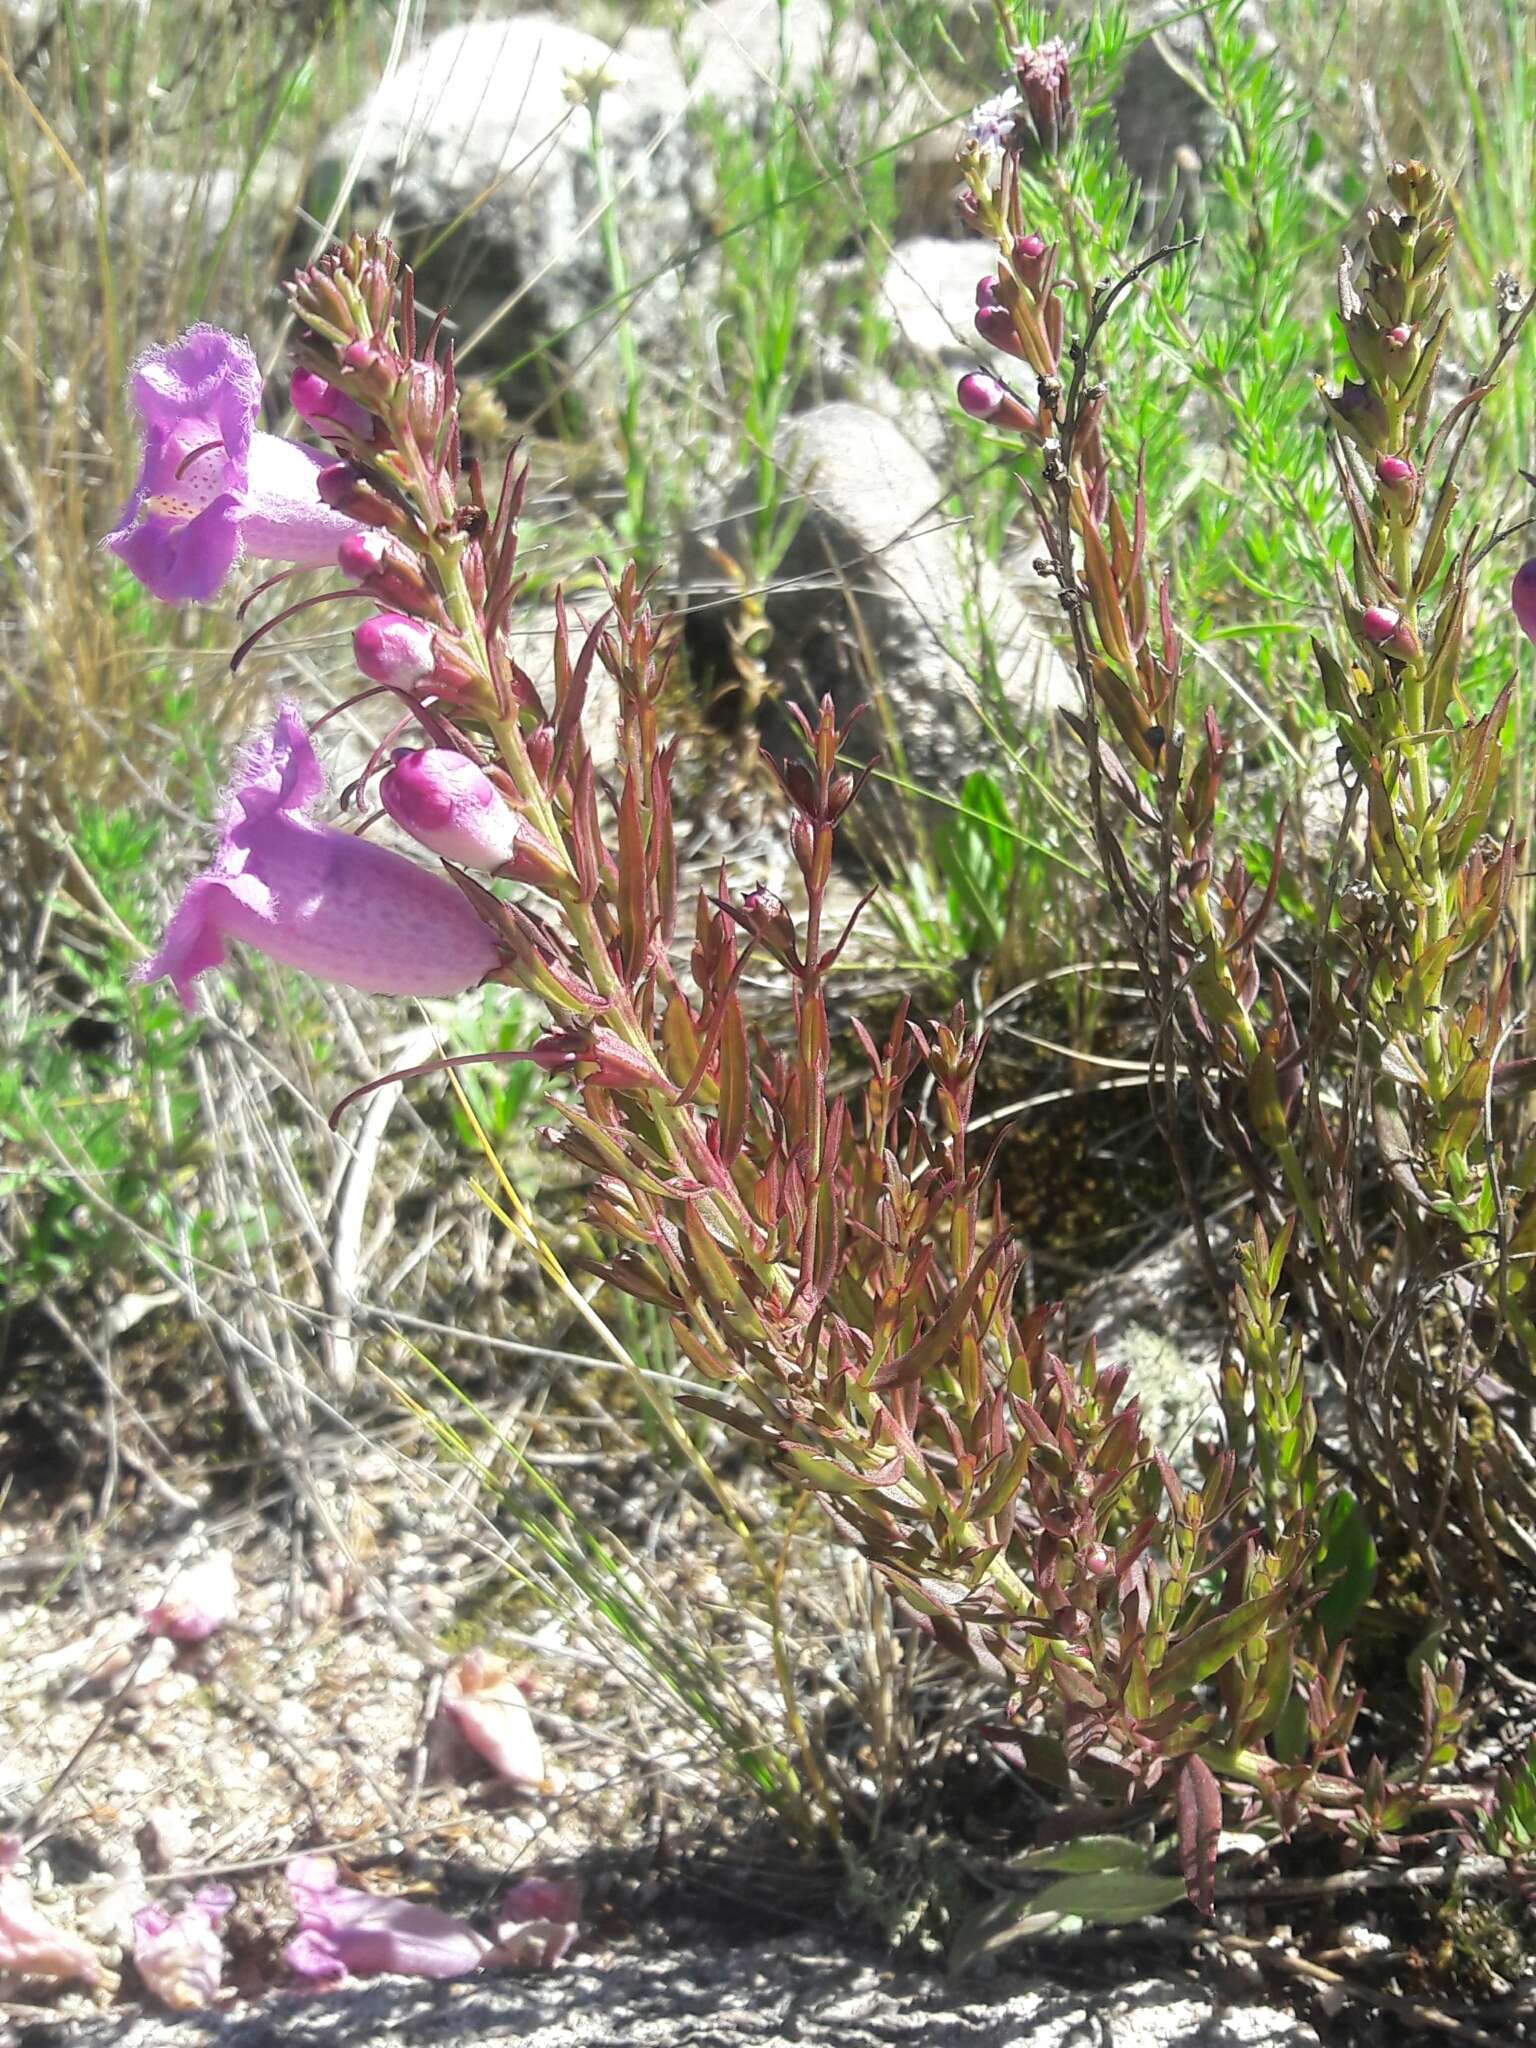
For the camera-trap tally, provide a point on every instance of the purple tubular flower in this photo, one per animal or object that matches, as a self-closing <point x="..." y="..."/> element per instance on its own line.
<point x="345" y="1932"/>
<point x="450" y="805"/>
<point x="324" y="901"/>
<point x="210" y="488"/>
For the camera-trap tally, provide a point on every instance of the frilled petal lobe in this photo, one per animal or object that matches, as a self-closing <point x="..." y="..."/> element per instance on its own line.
<point x="323" y="901"/>
<point x="345" y="1932"/>
<point x="183" y="561"/>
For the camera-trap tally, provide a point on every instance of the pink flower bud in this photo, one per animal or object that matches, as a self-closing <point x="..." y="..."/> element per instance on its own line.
<point x="1379" y="624"/>
<point x="1523" y="597"/>
<point x="597" y="1056"/>
<point x="391" y="648"/>
<point x="386" y="569"/>
<point x="486" y="1705"/>
<point x="986" y="291"/>
<point x="1046" y="83"/>
<point x="329" y="411"/>
<point x="1399" y="482"/>
<point x="449" y="803"/>
<point x="1030" y="255"/>
<point x="377" y="368"/>
<point x="984" y="398"/>
<point x="346" y="490"/>
<point x="1389" y="630"/>
<point x="968" y="206"/>
<point x="995" y="324"/>
<point x="198" y="1601"/>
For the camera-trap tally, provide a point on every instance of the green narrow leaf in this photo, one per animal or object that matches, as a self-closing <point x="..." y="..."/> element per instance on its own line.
<point x="1346" y="1556"/>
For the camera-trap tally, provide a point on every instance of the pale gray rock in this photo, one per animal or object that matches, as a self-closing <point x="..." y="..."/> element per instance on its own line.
<point x="879" y="599"/>
<point x="743" y="55"/>
<point x="165" y="221"/>
<point x="482" y="143"/>
<point x="802" y="1990"/>
<point x="486" y="134"/>
<point x="929" y="294"/>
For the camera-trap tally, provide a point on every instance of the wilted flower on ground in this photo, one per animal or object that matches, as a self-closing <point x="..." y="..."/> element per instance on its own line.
<point x="346" y="1932"/>
<point x="486" y="1705"/>
<point x="179" y="1955"/>
<point x="536" y="1923"/>
<point x="324" y="901"/>
<point x="210" y="488"/>
<point x="30" y="1946"/>
<point x="198" y="1600"/>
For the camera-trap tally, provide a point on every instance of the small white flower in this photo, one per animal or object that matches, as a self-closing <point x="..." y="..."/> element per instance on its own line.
<point x="990" y="127"/>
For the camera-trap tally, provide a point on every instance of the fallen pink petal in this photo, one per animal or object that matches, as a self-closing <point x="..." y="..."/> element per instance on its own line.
<point x="486" y="1705"/>
<point x="536" y="1924"/>
<point x="30" y="1945"/>
<point x="198" y="1601"/>
<point x="347" y="1932"/>
<point x="180" y="1956"/>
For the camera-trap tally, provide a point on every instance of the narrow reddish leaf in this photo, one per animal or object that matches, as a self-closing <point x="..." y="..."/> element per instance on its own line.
<point x="1199" y="1804"/>
<point x="733" y="1081"/>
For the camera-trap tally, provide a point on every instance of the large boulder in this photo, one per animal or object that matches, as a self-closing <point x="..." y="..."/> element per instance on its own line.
<point x="743" y="54"/>
<point x="880" y="600"/>
<point x="479" y="154"/>
<point x="479" y="151"/>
